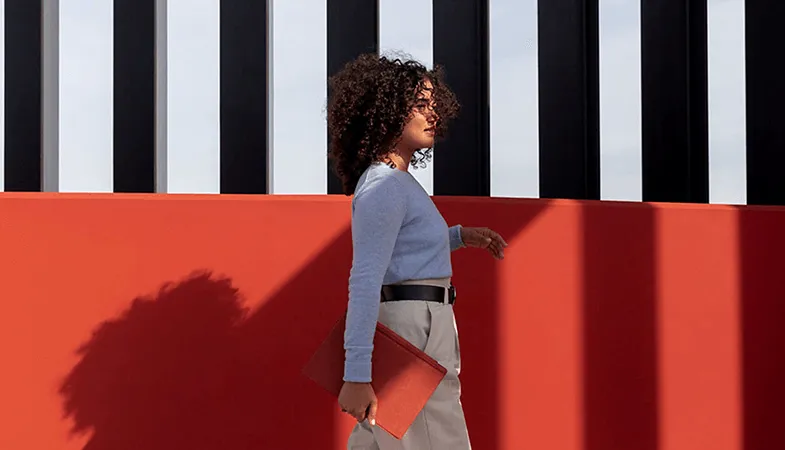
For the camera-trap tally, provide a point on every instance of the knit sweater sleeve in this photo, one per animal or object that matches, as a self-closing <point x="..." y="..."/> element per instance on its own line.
<point x="456" y="241"/>
<point x="379" y="211"/>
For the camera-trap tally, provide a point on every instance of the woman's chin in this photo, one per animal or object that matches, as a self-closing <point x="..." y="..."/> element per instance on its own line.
<point x="426" y="143"/>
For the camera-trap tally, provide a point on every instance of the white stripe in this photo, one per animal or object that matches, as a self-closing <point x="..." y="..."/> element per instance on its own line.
<point x="299" y="134"/>
<point x="193" y="96"/>
<point x="401" y="30"/>
<point x="514" y="95"/>
<point x="727" y="103"/>
<point x="2" y="95"/>
<point x="270" y="101"/>
<point x="86" y="98"/>
<point x="620" y="101"/>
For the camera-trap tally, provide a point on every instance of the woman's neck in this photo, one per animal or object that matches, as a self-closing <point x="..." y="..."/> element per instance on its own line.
<point x="401" y="159"/>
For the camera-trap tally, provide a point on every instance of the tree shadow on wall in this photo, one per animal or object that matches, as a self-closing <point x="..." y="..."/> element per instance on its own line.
<point x="193" y="368"/>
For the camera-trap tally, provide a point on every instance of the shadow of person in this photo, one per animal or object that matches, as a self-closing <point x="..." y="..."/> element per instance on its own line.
<point x="157" y="376"/>
<point x="192" y="367"/>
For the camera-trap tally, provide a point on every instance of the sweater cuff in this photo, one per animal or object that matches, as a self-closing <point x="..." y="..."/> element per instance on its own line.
<point x="357" y="372"/>
<point x="455" y="238"/>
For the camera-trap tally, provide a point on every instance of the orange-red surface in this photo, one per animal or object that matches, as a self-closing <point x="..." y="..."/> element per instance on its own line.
<point x="182" y="322"/>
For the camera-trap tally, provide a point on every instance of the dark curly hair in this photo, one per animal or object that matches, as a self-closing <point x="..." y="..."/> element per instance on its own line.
<point x="370" y="102"/>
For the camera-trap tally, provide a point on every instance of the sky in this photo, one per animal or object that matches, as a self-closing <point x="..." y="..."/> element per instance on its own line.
<point x="299" y="95"/>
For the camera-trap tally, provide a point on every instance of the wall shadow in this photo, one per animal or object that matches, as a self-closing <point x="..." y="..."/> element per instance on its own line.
<point x="478" y="308"/>
<point x="762" y="283"/>
<point x="192" y="368"/>
<point x="620" y="327"/>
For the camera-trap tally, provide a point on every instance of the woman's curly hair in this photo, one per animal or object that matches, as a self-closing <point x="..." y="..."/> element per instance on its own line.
<point x="370" y="102"/>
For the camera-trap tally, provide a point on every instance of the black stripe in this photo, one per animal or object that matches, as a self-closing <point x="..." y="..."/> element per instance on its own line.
<point x="461" y="163"/>
<point x="244" y="96"/>
<point x="569" y="100"/>
<point x="765" y="35"/>
<point x="674" y="86"/>
<point x="134" y="96"/>
<point x="352" y="30"/>
<point x="23" y="119"/>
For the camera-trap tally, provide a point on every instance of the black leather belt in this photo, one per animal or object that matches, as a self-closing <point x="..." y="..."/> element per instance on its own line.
<point x="438" y="294"/>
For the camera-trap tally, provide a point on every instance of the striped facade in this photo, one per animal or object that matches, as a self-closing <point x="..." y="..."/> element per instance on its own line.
<point x="674" y="95"/>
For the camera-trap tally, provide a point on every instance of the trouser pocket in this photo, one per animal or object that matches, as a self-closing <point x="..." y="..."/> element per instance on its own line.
<point x="442" y="342"/>
<point x="429" y="326"/>
<point x="409" y="319"/>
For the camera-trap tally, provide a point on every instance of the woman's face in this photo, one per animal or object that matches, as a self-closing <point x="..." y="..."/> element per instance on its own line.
<point x="419" y="132"/>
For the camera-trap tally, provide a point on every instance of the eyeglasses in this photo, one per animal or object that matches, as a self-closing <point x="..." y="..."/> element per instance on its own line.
<point x="423" y="105"/>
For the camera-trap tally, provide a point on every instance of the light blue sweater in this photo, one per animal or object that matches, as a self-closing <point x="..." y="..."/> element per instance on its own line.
<point x="397" y="235"/>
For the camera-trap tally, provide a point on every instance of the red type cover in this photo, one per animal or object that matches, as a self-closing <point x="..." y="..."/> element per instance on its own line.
<point x="404" y="377"/>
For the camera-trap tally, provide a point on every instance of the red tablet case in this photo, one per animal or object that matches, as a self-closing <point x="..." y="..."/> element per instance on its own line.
<point x="404" y="377"/>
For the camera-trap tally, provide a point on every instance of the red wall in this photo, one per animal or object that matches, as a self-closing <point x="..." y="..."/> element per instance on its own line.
<point x="608" y="326"/>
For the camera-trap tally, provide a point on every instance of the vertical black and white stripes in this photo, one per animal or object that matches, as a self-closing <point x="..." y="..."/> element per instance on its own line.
<point x="674" y="95"/>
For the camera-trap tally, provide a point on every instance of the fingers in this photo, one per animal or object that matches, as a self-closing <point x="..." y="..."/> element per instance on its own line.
<point x="372" y="412"/>
<point x="496" y="245"/>
<point x="361" y="414"/>
<point x="496" y="250"/>
<point x="354" y="413"/>
<point x="496" y="237"/>
<point x="487" y="239"/>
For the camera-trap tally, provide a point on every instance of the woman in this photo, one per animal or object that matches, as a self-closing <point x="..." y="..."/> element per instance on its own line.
<point x="383" y="116"/>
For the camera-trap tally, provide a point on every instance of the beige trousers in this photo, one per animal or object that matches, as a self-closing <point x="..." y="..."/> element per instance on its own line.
<point x="430" y="326"/>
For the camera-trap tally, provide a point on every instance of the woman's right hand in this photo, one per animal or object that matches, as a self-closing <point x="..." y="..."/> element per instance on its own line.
<point x="359" y="401"/>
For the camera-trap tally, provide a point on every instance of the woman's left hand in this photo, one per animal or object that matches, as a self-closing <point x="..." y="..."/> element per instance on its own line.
<point x="484" y="238"/>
